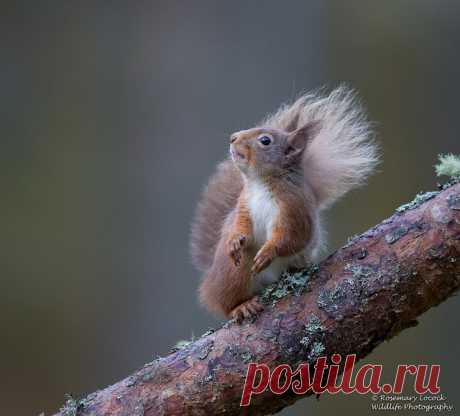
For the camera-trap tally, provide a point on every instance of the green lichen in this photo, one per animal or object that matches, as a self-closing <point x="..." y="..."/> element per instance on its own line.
<point x="360" y="271"/>
<point x="449" y="183"/>
<point x="449" y="165"/>
<point x="208" y="332"/>
<point x="313" y="328"/>
<point x="207" y="379"/>
<point x="86" y="401"/>
<point x="419" y="199"/>
<point x="332" y="300"/>
<point x="206" y="350"/>
<point x="147" y="377"/>
<point x="181" y="344"/>
<point x="70" y="406"/>
<point x="316" y="350"/>
<point x="327" y="298"/>
<point x="395" y="234"/>
<point x="289" y="283"/>
<point x="246" y="356"/>
<point x="305" y="341"/>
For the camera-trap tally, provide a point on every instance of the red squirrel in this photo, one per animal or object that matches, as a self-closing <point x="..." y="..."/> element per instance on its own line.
<point x="261" y="211"/>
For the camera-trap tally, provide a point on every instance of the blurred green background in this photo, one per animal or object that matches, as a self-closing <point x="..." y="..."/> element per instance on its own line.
<point x="113" y="115"/>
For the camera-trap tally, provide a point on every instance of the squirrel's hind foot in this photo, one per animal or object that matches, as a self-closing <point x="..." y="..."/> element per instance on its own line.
<point x="246" y="310"/>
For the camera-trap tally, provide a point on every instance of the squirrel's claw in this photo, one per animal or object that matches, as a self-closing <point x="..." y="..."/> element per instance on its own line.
<point x="246" y="310"/>
<point x="262" y="260"/>
<point x="235" y="244"/>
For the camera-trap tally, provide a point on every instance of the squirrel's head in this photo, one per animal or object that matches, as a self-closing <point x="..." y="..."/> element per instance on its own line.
<point x="265" y="151"/>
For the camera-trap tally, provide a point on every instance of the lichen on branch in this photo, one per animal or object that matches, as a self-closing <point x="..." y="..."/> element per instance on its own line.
<point x="448" y="165"/>
<point x="365" y="293"/>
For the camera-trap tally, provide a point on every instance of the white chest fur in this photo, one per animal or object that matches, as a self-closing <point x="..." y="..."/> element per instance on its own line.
<point x="263" y="210"/>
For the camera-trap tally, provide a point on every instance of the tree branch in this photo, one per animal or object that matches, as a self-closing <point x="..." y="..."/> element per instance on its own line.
<point x="363" y="294"/>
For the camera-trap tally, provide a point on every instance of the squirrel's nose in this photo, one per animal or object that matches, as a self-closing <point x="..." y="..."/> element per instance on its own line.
<point x="233" y="138"/>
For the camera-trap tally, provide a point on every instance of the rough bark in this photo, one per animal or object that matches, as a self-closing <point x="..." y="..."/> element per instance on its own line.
<point x="363" y="294"/>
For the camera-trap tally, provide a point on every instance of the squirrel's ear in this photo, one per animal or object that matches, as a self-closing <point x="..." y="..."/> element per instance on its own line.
<point x="292" y="125"/>
<point x="297" y="140"/>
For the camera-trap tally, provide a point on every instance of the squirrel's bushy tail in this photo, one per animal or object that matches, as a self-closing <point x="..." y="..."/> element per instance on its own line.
<point x="342" y="154"/>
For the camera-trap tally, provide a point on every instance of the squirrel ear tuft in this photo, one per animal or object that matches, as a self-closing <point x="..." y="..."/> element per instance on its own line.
<point x="292" y="125"/>
<point x="297" y="140"/>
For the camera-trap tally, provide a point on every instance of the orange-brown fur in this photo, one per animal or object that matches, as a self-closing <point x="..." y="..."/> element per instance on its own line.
<point x="226" y="283"/>
<point x="226" y="286"/>
<point x="260" y="211"/>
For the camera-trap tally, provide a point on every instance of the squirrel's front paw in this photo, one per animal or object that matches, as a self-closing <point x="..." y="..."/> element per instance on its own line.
<point x="235" y="245"/>
<point x="263" y="259"/>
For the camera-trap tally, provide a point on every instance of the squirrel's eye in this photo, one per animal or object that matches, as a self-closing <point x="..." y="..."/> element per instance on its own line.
<point x="265" y="140"/>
